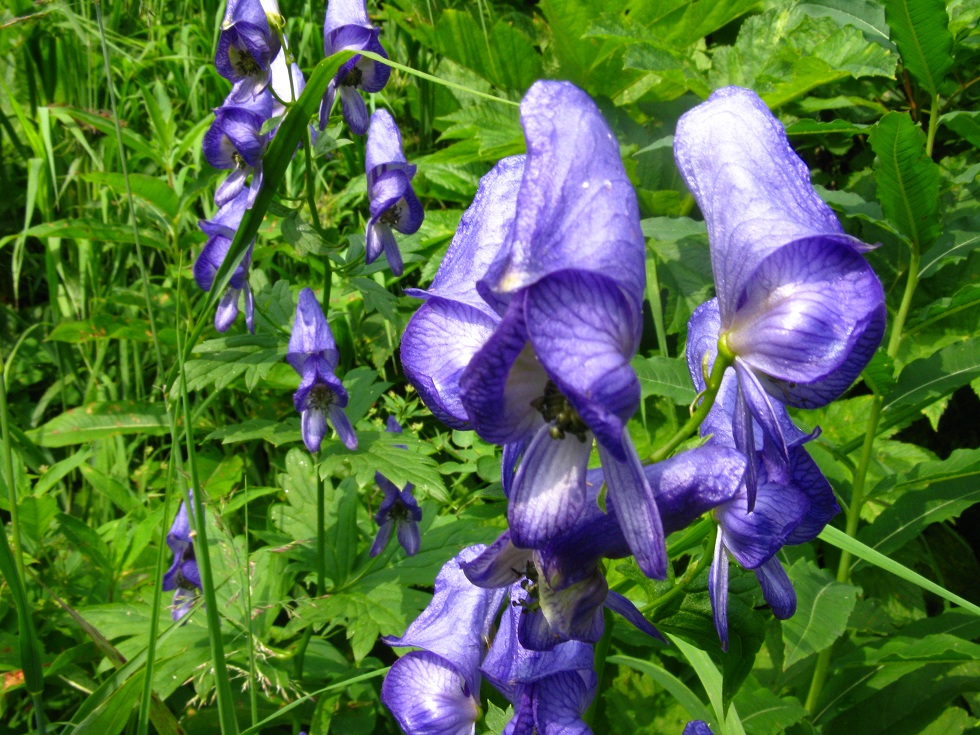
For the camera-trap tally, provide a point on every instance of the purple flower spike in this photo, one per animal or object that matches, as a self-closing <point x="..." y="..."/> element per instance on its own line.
<point x="313" y="354"/>
<point x="347" y="27"/>
<point x="393" y="201"/>
<point x="235" y="141"/>
<point x="246" y="48"/>
<point x="183" y="577"/>
<point x="221" y="231"/>
<point x="798" y="305"/>
<point x="399" y="510"/>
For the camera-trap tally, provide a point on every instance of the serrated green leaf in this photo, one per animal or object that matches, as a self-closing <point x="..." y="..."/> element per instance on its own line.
<point x="365" y="614"/>
<point x="920" y="29"/>
<point x="662" y="376"/>
<point x="907" y="179"/>
<point x="764" y="713"/>
<point x="823" y="606"/>
<point x="927" y="380"/>
<point x="301" y="235"/>
<point x="866" y="16"/>
<point x="936" y="491"/>
<point x="960" y="239"/>
<point x="100" y="421"/>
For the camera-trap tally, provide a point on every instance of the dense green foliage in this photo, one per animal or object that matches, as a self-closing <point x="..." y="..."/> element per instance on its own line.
<point x="119" y="395"/>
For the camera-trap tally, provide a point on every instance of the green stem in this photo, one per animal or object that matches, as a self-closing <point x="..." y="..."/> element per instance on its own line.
<point x="933" y="125"/>
<point x="860" y="476"/>
<point x="321" y="536"/>
<point x="713" y="382"/>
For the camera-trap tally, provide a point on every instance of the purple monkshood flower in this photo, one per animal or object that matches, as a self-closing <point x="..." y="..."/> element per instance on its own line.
<point x="346" y="27"/>
<point x="313" y="354"/>
<point x="436" y="691"/>
<point x="246" y="47"/>
<point x="221" y="231"/>
<point x="399" y="511"/>
<point x="183" y="577"/>
<point x="697" y="727"/>
<point x="550" y="690"/>
<point x="235" y="141"/>
<point x="389" y="184"/>
<point x="791" y="508"/>
<point x="798" y="308"/>
<point x="563" y="582"/>
<point x="535" y="315"/>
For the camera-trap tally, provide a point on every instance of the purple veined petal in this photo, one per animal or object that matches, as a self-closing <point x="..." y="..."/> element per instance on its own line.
<point x="500" y="565"/>
<point x="428" y="696"/>
<point x="752" y="188"/>
<point x="387" y="191"/>
<point x="574" y="612"/>
<point x="381" y="540"/>
<point x="226" y="220"/>
<point x="775" y="448"/>
<point x="619" y="604"/>
<point x="584" y="334"/>
<point x="501" y="381"/>
<point x="578" y="208"/>
<point x="232" y="187"/>
<point x="691" y="483"/>
<point x="697" y="727"/>
<point x="342" y="426"/>
<point x="249" y="308"/>
<point x="191" y="572"/>
<point x="535" y="633"/>
<point x="522" y="723"/>
<point x="753" y="537"/>
<point x="549" y="493"/>
<point x="311" y="334"/>
<point x="227" y="310"/>
<point x="509" y="665"/>
<point x="802" y="312"/>
<point x="211" y="257"/>
<point x="455" y="622"/>
<point x="392" y="425"/>
<point x="248" y="11"/>
<point x="703" y="329"/>
<point x="183" y="603"/>
<point x="777" y="589"/>
<point x="235" y="131"/>
<point x="384" y="141"/>
<point x="256" y="185"/>
<point x="718" y="589"/>
<point x="822" y="503"/>
<point x="313" y="427"/>
<point x="409" y="537"/>
<point x="743" y="431"/>
<point x="562" y="700"/>
<point x="439" y="342"/>
<point x="354" y="109"/>
<point x="482" y="232"/>
<point x="374" y="241"/>
<point x="326" y="105"/>
<point x="510" y="456"/>
<point x="636" y="509"/>
<point x="344" y="13"/>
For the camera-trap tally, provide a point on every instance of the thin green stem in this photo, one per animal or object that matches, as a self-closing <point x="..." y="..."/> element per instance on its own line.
<point x="321" y="537"/>
<point x="707" y="397"/>
<point x="253" y="695"/>
<point x="822" y="667"/>
<point x="933" y="125"/>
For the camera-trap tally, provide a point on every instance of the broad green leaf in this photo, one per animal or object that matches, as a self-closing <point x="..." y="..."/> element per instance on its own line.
<point x="661" y="376"/>
<point x="110" y="716"/>
<point x="865" y="15"/>
<point x="221" y="361"/>
<point x="907" y="179"/>
<point x="823" y="606"/>
<point x="808" y="127"/>
<point x="100" y="421"/>
<point x="965" y="300"/>
<point x="963" y="123"/>
<point x="938" y="648"/>
<point x="102" y="327"/>
<point x="149" y="189"/>
<point x="935" y="492"/>
<point x="927" y="380"/>
<point x="960" y="239"/>
<point x="920" y="30"/>
<point x="711" y="679"/>
<point x="764" y="713"/>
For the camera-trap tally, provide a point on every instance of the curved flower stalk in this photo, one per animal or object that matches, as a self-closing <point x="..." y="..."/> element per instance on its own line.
<point x="543" y="362"/>
<point x="313" y="354"/>
<point x="235" y="141"/>
<point x="550" y="690"/>
<point x="799" y="311"/>
<point x="183" y="578"/>
<point x="564" y="587"/>
<point x="221" y="231"/>
<point x="399" y="511"/>
<point x="346" y="27"/>
<point x="246" y="47"/>
<point x="436" y="691"/>
<point x="394" y="205"/>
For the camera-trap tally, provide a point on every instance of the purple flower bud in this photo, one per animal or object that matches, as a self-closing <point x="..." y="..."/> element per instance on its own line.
<point x="183" y="577"/>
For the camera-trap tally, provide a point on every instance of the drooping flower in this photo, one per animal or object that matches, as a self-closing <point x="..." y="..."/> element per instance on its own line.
<point x="288" y="83"/>
<point x="183" y="578"/>
<point x="313" y="354"/>
<point x="799" y="310"/>
<point x="221" y="231"/>
<point x="563" y="581"/>
<point x="246" y="47"/>
<point x="399" y="511"/>
<point x="550" y="690"/>
<point x="389" y="182"/>
<point x="436" y="691"/>
<point x="235" y="141"/>
<point x="346" y="27"/>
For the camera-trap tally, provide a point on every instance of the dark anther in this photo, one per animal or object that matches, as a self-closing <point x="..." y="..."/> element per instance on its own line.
<point x="320" y="397"/>
<point x="352" y="78"/>
<point x="553" y="406"/>
<point x="391" y="215"/>
<point x="247" y="66"/>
